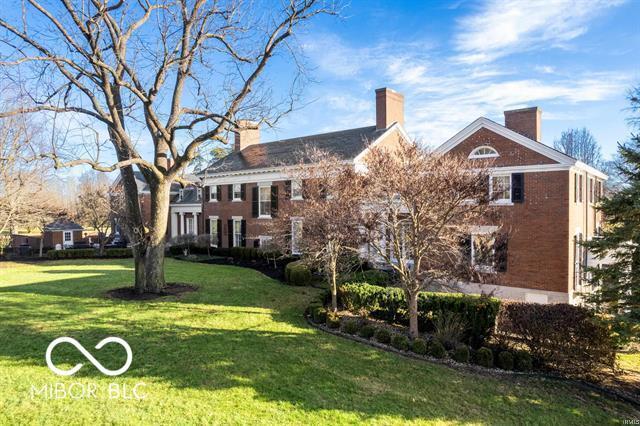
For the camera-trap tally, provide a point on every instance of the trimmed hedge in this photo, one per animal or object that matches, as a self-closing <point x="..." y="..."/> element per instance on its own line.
<point x="351" y="326"/>
<point x="436" y="349"/>
<point x="367" y="331"/>
<point x="333" y="320"/>
<point x="461" y="354"/>
<point x="297" y="273"/>
<point x="400" y="341"/>
<point x="505" y="360"/>
<point x="566" y="338"/>
<point x="370" y="276"/>
<point x="89" y="253"/>
<point x="388" y="303"/>
<point x="419" y="346"/>
<point x="382" y="335"/>
<point x="245" y="253"/>
<point x="484" y="357"/>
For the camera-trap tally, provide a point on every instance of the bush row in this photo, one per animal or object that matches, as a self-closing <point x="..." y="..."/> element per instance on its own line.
<point x="566" y="338"/>
<point x="246" y="253"/>
<point x="89" y="253"/>
<point x="389" y="304"/>
<point x="484" y="356"/>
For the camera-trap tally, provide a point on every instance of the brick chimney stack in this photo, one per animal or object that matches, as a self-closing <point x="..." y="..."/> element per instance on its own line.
<point x="248" y="133"/>
<point x="526" y="121"/>
<point x="389" y="108"/>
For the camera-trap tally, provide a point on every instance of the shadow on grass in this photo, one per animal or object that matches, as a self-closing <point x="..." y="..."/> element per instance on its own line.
<point x="248" y="331"/>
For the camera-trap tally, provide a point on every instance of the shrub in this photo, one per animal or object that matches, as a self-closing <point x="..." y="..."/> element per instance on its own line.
<point x="484" y="357"/>
<point x="370" y="276"/>
<point x="505" y="360"/>
<point x="461" y="353"/>
<point x="449" y="329"/>
<point x="297" y="273"/>
<point x="563" y="337"/>
<point x="436" y="349"/>
<point x="400" y="341"/>
<point x="319" y="315"/>
<point x="389" y="304"/>
<point x="351" y="326"/>
<point x="88" y="253"/>
<point x="313" y="305"/>
<point x="419" y="346"/>
<point x="382" y="335"/>
<point x="333" y="320"/>
<point x="367" y="331"/>
<point x="523" y="361"/>
<point x="118" y="252"/>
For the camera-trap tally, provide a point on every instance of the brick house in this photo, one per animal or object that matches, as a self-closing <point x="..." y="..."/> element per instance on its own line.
<point x="62" y="233"/>
<point x="546" y="200"/>
<point x="243" y="189"/>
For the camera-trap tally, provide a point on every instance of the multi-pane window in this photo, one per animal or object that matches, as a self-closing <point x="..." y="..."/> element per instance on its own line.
<point x="296" y="190"/>
<point x="213" y="193"/>
<point x="213" y="229"/>
<point x="483" y="251"/>
<point x="296" y="235"/>
<point x="500" y="188"/>
<point x="237" y="233"/>
<point x="264" y="201"/>
<point x="199" y="193"/>
<point x="484" y="152"/>
<point x="68" y="236"/>
<point x="237" y="192"/>
<point x="189" y="225"/>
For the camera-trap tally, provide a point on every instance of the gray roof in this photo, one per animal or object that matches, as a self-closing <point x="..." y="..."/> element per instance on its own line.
<point x="189" y="196"/>
<point x="63" y="225"/>
<point x="345" y="144"/>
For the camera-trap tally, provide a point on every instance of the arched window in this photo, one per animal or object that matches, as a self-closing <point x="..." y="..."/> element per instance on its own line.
<point x="484" y="152"/>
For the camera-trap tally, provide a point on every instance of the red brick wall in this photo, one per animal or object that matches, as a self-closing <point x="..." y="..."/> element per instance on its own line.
<point x="538" y="228"/>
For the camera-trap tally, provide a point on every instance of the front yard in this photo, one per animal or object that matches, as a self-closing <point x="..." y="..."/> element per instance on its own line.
<point x="237" y="351"/>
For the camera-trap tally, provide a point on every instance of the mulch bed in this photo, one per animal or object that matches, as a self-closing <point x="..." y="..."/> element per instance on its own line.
<point x="172" y="289"/>
<point x="259" y="265"/>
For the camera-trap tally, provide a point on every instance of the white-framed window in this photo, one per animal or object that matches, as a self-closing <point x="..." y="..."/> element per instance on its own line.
<point x="213" y="193"/>
<point x="199" y="193"/>
<point x="264" y="201"/>
<point x="213" y="231"/>
<point x="189" y="225"/>
<point x="483" y="251"/>
<point x="484" y="152"/>
<point x="265" y="240"/>
<point x="237" y="232"/>
<point x="500" y="189"/>
<point x="296" y="235"/>
<point x="296" y="189"/>
<point x="180" y="194"/>
<point x="68" y="236"/>
<point x="237" y="192"/>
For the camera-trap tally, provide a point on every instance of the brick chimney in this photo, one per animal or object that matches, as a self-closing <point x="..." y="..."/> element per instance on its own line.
<point x="389" y="108"/>
<point x="526" y="121"/>
<point x="248" y="133"/>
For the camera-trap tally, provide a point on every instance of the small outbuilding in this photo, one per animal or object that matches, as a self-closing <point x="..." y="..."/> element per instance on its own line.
<point x="62" y="233"/>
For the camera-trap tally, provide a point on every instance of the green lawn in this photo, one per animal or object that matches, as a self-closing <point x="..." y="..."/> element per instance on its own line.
<point x="237" y="351"/>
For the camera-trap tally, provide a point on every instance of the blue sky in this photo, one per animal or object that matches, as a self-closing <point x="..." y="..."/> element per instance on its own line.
<point x="456" y="61"/>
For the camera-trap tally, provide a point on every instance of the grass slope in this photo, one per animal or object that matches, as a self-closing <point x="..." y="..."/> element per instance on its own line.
<point x="237" y="352"/>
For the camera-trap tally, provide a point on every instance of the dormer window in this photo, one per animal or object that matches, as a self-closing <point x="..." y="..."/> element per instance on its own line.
<point x="199" y="194"/>
<point x="180" y="194"/>
<point x="484" y="152"/>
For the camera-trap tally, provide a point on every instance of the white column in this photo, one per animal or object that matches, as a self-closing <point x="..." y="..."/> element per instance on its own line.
<point x="174" y="225"/>
<point x="182" y="224"/>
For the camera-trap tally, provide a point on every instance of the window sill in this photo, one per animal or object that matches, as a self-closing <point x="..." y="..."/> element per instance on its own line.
<point x="484" y="269"/>
<point x="505" y="203"/>
<point x="264" y="217"/>
<point x="236" y="200"/>
<point x="213" y="201"/>
<point x="297" y="198"/>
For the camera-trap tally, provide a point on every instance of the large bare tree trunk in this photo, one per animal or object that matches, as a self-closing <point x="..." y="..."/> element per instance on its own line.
<point x="154" y="256"/>
<point x="412" y="297"/>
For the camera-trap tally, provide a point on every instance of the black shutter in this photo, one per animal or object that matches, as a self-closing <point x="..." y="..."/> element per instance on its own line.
<point x="255" y="202"/>
<point x="243" y="231"/>
<point x="230" y="192"/>
<point x="517" y="187"/>
<point x="465" y="247"/>
<point x="243" y="188"/>
<point x="207" y="226"/>
<point x="500" y="249"/>
<point x="207" y="193"/>
<point x="219" y="236"/>
<point x="287" y="189"/>
<point x="304" y="189"/>
<point x="219" y="192"/>
<point x="274" y="201"/>
<point x="230" y="232"/>
<point x="256" y="243"/>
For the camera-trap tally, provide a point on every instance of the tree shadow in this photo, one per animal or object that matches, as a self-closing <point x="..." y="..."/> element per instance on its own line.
<point x="215" y="341"/>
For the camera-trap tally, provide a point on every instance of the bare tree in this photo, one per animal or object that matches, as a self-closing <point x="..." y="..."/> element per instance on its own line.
<point x="419" y="206"/>
<point x="43" y="209"/>
<point x="20" y="180"/>
<point x="182" y="73"/>
<point x="94" y="205"/>
<point x="327" y="220"/>
<point x="581" y="145"/>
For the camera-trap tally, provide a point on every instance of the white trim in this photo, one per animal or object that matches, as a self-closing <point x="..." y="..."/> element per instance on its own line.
<point x="265" y="183"/>
<point x="475" y="156"/>
<point x="189" y="208"/>
<point x="213" y="218"/>
<point x="236" y="217"/>
<point x="502" y="201"/>
<point x="233" y="192"/>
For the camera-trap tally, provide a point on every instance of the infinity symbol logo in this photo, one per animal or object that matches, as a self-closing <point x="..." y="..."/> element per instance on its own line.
<point x="87" y="355"/>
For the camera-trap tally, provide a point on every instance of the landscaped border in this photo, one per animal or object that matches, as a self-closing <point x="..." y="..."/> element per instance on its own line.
<point x="472" y="368"/>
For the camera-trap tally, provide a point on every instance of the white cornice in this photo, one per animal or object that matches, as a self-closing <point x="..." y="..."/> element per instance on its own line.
<point x="394" y="127"/>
